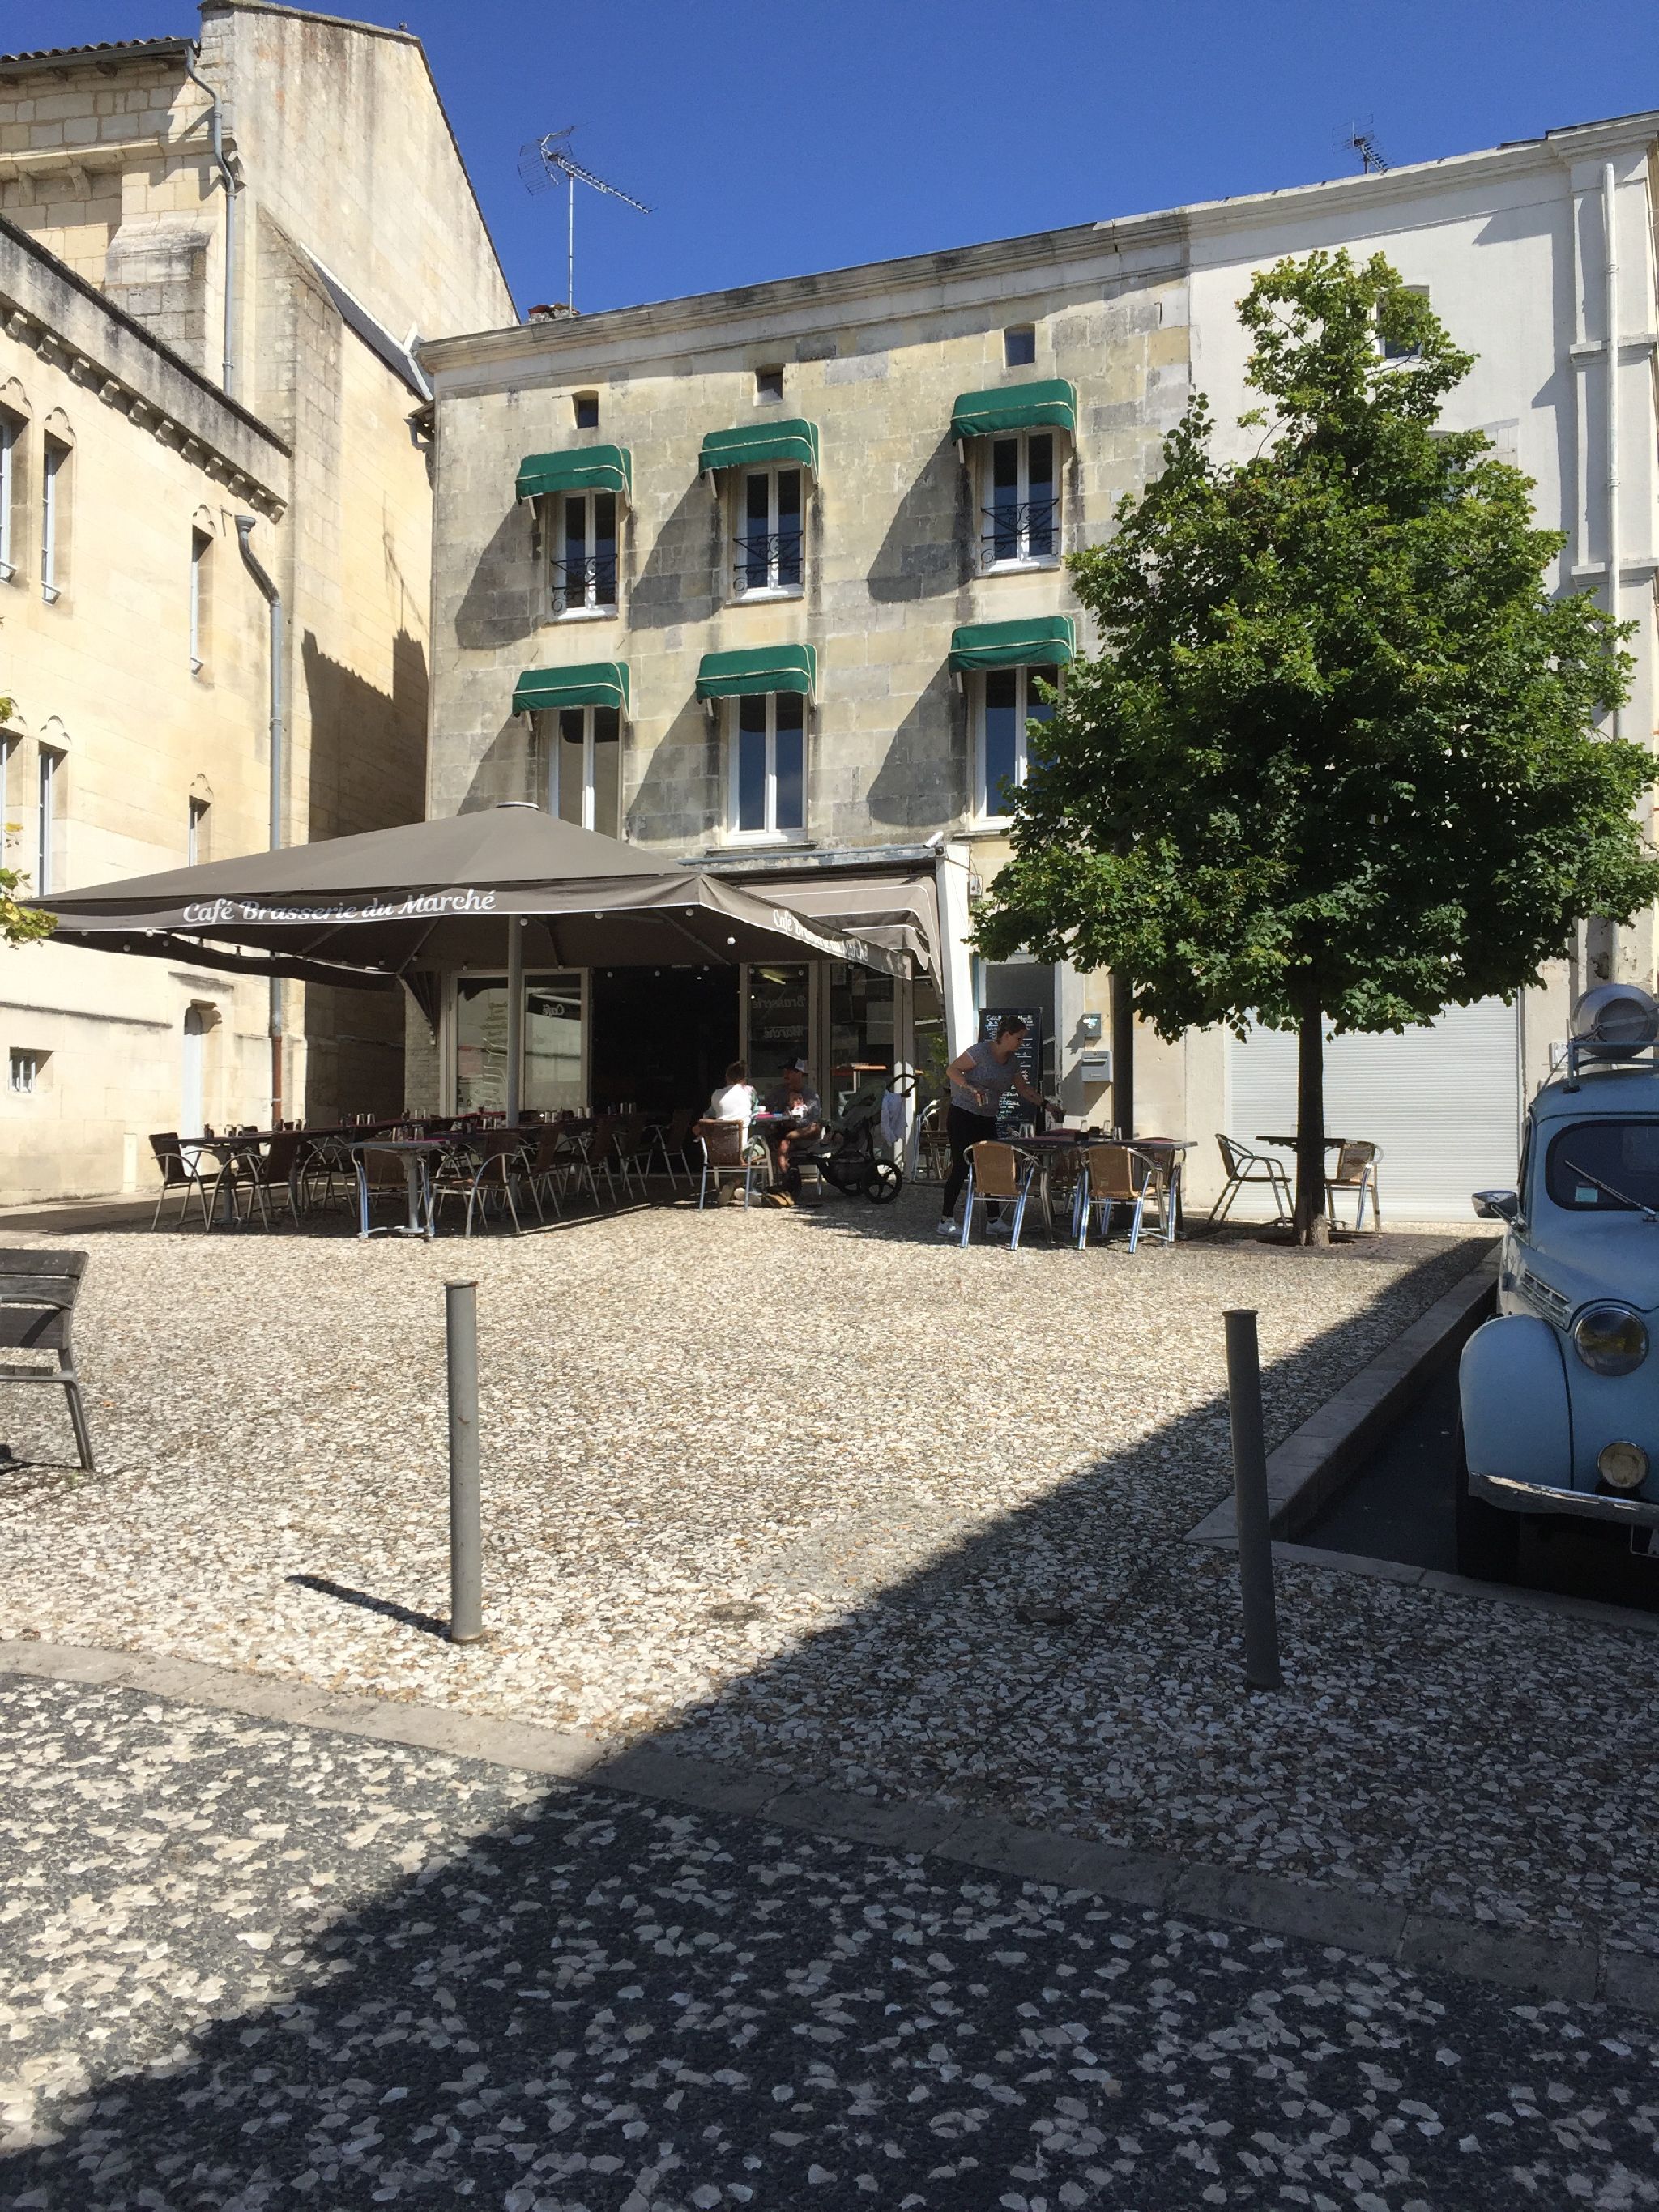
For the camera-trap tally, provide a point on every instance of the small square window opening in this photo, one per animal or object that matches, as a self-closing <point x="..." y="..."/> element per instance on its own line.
<point x="27" y="1068"/>
<point x="587" y="405"/>
<point x="768" y="384"/>
<point x="1392" y="350"/>
<point x="1019" y="345"/>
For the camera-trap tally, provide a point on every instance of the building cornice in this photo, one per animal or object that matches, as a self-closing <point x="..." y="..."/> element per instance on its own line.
<point x="1150" y="245"/>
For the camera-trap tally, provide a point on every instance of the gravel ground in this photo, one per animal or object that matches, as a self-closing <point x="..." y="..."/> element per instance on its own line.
<point x="246" y="1966"/>
<point x="825" y="1496"/>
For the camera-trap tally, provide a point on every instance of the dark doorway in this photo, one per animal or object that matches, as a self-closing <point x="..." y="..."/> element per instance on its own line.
<point x="663" y="1037"/>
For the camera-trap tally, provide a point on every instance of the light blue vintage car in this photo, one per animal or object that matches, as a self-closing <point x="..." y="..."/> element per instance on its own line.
<point x="1561" y="1392"/>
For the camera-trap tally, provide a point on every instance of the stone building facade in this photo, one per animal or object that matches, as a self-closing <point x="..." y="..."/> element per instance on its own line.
<point x="216" y="258"/>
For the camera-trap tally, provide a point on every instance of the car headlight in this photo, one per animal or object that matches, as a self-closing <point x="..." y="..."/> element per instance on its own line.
<point x="1610" y="1339"/>
<point x="1622" y="1465"/>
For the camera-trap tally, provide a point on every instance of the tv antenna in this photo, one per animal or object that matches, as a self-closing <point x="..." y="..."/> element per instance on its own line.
<point x="1361" y="139"/>
<point x="543" y="162"/>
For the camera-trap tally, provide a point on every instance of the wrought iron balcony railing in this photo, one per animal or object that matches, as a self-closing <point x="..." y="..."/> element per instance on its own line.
<point x="585" y="583"/>
<point x="767" y="560"/>
<point x="1021" y="530"/>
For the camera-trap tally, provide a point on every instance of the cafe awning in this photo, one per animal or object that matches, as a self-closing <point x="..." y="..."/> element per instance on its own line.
<point x="894" y="908"/>
<point x="1050" y="405"/>
<point x="586" y="684"/>
<point x="758" y="668"/>
<point x="1040" y="641"/>
<point x="580" y="468"/>
<point x="756" y="444"/>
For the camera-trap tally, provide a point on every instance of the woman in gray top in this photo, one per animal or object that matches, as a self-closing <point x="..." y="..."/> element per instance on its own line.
<point x="980" y="1079"/>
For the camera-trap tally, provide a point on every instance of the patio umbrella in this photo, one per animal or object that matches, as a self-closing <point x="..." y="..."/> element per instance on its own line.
<point x="506" y="884"/>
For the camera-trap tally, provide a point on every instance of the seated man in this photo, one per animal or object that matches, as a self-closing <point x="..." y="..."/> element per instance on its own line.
<point x="801" y="1112"/>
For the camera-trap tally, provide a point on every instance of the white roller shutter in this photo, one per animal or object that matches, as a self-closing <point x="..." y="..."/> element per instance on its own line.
<point x="1442" y="1101"/>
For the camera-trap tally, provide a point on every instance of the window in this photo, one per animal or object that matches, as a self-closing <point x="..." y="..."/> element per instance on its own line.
<point x="1604" y="1167"/>
<point x="551" y="1075"/>
<point x="196" y="838"/>
<point x="584" y="553"/>
<point x="1019" y="345"/>
<point x="769" y="765"/>
<point x="584" y="773"/>
<point x="1392" y="349"/>
<point x="1020" y="518"/>
<point x="1009" y="700"/>
<point x="46" y="819"/>
<point x="200" y="546"/>
<point x="28" y="1067"/>
<point x="55" y="456"/>
<point x="769" y="534"/>
<point x="10" y="830"/>
<point x="10" y="430"/>
<point x="768" y="384"/>
<point x="587" y="405"/>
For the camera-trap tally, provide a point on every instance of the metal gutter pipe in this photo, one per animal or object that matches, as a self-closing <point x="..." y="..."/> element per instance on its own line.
<point x="1610" y="235"/>
<point x="273" y="599"/>
<point x="228" y="178"/>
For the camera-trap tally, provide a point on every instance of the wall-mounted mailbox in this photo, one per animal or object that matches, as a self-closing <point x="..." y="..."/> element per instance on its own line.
<point x="1095" y="1067"/>
<point x="1088" y="1028"/>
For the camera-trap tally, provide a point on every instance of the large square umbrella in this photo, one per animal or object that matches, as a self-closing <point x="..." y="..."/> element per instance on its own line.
<point x="397" y="905"/>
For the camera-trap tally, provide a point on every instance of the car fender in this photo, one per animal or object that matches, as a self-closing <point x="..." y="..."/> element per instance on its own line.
<point x="1518" y="1419"/>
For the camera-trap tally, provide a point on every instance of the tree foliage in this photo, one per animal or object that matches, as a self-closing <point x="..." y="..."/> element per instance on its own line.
<point x="16" y="927"/>
<point x="1337" y="756"/>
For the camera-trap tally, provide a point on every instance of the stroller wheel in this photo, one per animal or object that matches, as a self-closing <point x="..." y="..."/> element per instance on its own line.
<point x="884" y="1182"/>
<point x="847" y="1170"/>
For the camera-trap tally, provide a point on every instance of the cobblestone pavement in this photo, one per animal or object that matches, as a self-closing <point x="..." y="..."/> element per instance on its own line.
<point x="247" y="1966"/>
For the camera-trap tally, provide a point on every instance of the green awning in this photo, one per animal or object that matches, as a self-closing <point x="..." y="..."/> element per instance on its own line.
<point x="589" y="683"/>
<point x="756" y="443"/>
<point x="1048" y="406"/>
<point x="1044" y="641"/>
<point x="584" y="468"/>
<point x="760" y="668"/>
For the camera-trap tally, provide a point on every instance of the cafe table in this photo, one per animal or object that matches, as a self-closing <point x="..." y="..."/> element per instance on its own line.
<point x="417" y="1155"/>
<point x="1167" y="1154"/>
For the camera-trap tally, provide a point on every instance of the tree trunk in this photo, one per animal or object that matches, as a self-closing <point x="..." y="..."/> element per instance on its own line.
<point x="1123" y="1054"/>
<point x="1312" y="1224"/>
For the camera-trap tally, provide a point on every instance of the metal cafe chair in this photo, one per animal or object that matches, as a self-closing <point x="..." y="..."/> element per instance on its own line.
<point x="1244" y="1166"/>
<point x="726" y="1156"/>
<point x="38" y="1291"/>
<point x="1356" y="1170"/>
<point x="274" y="1173"/>
<point x="181" y="1177"/>
<point x="669" y="1142"/>
<point x="997" y="1176"/>
<point x="1118" y="1175"/>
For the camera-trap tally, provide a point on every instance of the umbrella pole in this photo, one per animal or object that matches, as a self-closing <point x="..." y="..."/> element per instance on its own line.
<point x="514" y="1017"/>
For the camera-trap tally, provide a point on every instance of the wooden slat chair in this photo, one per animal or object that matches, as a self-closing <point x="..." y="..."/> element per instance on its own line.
<point x="1243" y="1166"/>
<point x="997" y="1176"/>
<point x="1356" y="1170"/>
<point x="727" y="1157"/>
<point x="38" y="1291"/>
<point x="1118" y="1175"/>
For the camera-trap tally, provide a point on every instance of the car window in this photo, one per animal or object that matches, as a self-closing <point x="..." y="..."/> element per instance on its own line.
<point x="1587" y="1155"/>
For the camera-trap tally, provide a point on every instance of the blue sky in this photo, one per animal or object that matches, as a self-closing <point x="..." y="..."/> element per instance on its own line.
<point x="771" y="140"/>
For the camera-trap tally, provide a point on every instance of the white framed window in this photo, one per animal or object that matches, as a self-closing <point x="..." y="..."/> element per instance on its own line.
<point x="54" y="462"/>
<point x="584" y="775"/>
<point x="10" y="430"/>
<point x="583" y="541"/>
<point x="1020" y="505"/>
<point x="767" y="540"/>
<point x="767" y="765"/>
<point x="200" y="546"/>
<point x="1007" y="700"/>
<point x="27" y="1069"/>
<point x="46" y="818"/>
<point x="195" y="833"/>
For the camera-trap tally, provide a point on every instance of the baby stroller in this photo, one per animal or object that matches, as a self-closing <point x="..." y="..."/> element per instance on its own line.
<point x="858" y="1157"/>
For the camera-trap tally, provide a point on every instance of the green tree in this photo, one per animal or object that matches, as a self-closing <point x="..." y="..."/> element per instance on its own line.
<point x="17" y="926"/>
<point x="1336" y="761"/>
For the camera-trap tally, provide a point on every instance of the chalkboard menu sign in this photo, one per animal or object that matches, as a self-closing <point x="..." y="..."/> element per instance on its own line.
<point x="1014" y="1113"/>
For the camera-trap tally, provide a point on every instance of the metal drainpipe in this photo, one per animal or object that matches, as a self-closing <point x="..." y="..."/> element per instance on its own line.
<point x="1610" y="233"/>
<point x="227" y="177"/>
<point x="273" y="598"/>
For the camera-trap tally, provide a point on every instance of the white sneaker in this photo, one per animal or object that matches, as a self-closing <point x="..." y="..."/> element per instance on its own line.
<point x="998" y="1228"/>
<point x="948" y="1227"/>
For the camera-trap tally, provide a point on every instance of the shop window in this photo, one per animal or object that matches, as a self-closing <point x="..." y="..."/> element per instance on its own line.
<point x="861" y="1033"/>
<point x="778" y="1027"/>
<point x="551" y="1077"/>
<point x="1008" y="700"/>
<point x="1020" y="512"/>
<point x="585" y="772"/>
<point x="768" y="765"/>
<point x="584" y="551"/>
<point x="768" y="541"/>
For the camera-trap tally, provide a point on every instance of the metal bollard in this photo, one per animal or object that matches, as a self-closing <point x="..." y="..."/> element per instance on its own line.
<point x="465" y="1530"/>
<point x="1256" y="1554"/>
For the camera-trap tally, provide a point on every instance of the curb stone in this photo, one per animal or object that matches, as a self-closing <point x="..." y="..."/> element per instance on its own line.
<point x="1374" y="1926"/>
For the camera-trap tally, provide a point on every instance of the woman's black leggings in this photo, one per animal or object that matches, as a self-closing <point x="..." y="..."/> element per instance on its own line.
<point x="963" y="1129"/>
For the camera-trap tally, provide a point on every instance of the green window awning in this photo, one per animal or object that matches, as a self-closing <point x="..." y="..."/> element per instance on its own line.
<point x="1051" y="405"/>
<point x="760" y="668"/>
<point x="1043" y="641"/>
<point x="584" y="468"/>
<point x="793" y="443"/>
<point x="589" y="683"/>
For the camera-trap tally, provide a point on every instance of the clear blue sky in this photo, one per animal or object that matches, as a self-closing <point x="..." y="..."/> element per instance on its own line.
<point x="772" y="140"/>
